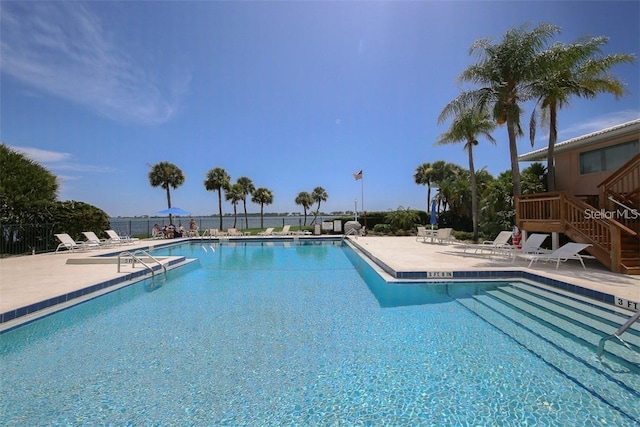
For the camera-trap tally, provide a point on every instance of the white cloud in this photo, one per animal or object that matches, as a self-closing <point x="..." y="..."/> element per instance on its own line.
<point x="58" y="161"/>
<point x="61" y="48"/>
<point x="598" y="123"/>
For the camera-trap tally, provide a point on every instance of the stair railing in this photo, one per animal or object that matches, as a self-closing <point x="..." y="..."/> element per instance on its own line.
<point x="617" y="334"/>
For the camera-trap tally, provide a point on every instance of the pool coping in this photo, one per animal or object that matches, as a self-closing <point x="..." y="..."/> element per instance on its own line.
<point x="423" y="276"/>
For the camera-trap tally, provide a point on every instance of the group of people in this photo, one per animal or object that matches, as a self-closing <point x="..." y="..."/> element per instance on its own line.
<point x="171" y="232"/>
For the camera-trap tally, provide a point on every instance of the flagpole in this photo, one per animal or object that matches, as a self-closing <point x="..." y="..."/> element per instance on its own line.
<point x="364" y="212"/>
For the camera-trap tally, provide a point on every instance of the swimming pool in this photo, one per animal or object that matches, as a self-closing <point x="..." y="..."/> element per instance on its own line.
<point x="293" y="333"/>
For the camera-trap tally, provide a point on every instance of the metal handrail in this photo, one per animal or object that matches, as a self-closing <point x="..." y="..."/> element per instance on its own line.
<point x="135" y="258"/>
<point x="617" y="334"/>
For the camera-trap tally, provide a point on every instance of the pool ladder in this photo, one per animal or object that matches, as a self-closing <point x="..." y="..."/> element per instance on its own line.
<point x="135" y="258"/>
<point x="617" y="334"/>
<point x="353" y="231"/>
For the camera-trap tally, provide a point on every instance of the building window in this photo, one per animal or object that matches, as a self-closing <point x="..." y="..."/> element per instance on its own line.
<point x="608" y="158"/>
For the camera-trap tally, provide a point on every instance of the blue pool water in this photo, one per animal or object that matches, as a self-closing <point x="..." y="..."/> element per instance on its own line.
<point x="274" y="334"/>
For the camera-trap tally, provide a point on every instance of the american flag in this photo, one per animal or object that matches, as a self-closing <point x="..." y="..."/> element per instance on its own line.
<point x="358" y="175"/>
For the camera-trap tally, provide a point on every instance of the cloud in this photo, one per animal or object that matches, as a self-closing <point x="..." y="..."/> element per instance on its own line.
<point x="58" y="161"/>
<point x="61" y="48"/>
<point x="598" y="123"/>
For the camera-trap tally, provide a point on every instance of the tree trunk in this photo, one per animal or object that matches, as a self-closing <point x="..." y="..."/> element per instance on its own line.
<point x="169" y="204"/>
<point x="474" y="194"/>
<point x="220" y="206"/>
<point x="513" y="148"/>
<point x="553" y="136"/>
<point x="246" y="219"/>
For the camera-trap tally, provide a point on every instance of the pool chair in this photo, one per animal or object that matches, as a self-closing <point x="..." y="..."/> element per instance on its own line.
<point x="443" y="235"/>
<point x="66" y="242"/>
<point x="533" y="245"/>
<point x="267" y="232"/>
<point x="234" y="232"/>
<point x="499" y="243"/>
<point x="115" y="238"/>
<point x="424" y="233"/>
<point x="563" y="253"/>
<point x="95" y="241"/>
<point x="286" y="230"/>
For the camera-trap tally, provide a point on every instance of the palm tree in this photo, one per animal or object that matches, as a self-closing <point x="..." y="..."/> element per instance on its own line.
<point x="217" y="180"/>
<point x="262" y="196"/>
<point x="234" y="194"/>
<point x="466" y="127"/>
<point x="319" y="195"/>
<point x="571" y="70"/>
<point x="247" y="188"/>
<point x="166" y="175"/>
<point x="503" y="72"/>
<point x="305" y="200"/>
<point x="425" y="175"/>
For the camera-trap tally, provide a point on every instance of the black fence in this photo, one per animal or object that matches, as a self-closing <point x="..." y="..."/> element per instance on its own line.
<point x="25" y="239"/>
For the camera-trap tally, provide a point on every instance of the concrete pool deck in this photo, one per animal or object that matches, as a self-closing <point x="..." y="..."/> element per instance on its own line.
<point x="28" y="280"/>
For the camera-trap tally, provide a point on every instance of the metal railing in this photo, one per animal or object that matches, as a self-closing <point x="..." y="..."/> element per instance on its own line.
<point x="617" y="334"/>
<point x="134" y="258"/>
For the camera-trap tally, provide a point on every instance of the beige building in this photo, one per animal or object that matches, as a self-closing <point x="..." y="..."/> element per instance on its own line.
<point x="584" y="162"/>
<point x="597" y="197"/>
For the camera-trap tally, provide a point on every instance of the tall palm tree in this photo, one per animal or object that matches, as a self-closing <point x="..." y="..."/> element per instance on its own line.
<point x="305" y="200"/>
<point x="466" y="127"/>
<point x="217" y="180"/>
<point x="425" y="175"/>
<point x="319" y="195"/>
<point x="247" y="188"/>
<point x="571" y="70"/>
<point x="166" y="175"/>
<point x="262" y="196"/>
<point x="503" y="73"/>
<point x="234" y="194"/>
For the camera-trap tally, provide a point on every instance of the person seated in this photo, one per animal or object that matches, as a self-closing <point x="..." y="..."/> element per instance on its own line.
<point x="193" y="228"/>
<point x="169" y="231"/>
<point x="157" y="232"/>
<point x="180" y="231"/>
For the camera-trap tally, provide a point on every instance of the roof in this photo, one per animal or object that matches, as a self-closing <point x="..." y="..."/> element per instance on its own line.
<point x="628" y="128"/>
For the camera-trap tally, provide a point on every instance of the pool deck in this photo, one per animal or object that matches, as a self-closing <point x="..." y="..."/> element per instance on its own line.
<point x="26" y="281"/>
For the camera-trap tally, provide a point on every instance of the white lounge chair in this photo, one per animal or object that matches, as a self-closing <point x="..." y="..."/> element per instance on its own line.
<point x="119" y="240"/>
<point x="500" y="242"/>
<point x="286" y="230"/>
<point x="95" y="241"/>
<point x="563" y="253"/>
<point x="234" y="232"/>
<point x="66" y="242"/>
<point x="267" y="232"/>
<point x="533" y="245"/>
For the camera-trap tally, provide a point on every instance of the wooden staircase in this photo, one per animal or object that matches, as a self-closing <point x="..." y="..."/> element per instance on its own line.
<point x="612" y="228"/>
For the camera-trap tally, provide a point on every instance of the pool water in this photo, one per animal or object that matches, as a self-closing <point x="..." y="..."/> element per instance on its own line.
<point x="272" y="334"/>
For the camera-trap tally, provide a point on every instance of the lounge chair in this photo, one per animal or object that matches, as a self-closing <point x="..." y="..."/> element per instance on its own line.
<point x="119" y="240"/>
<point x="284" y="232"/>
<point x="66" y="242"/>
<point x="95" y="241"/>
<point x="500" y="242"/>
<point x="234" y="232"/>
<point x="565" y="252"/>
<point x="533" y="245"/>
<point x="267" y="232"/>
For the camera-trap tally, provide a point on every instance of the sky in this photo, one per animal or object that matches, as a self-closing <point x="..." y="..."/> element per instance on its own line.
<point x="292" y="94"/>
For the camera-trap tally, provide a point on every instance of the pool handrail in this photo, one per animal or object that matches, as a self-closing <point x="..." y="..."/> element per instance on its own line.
<point x="617" y="334"/>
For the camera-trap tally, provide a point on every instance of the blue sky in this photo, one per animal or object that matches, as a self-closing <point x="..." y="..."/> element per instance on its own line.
<point x="293" y="95"/>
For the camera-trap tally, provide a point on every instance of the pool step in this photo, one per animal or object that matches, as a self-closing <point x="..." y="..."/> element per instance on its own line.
<point x="616" y="381"/>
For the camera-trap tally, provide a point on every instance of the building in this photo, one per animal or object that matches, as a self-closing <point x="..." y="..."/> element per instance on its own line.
<point x="598" y="195"/>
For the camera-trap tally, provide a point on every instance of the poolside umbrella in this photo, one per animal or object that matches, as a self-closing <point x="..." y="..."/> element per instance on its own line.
<point x="174" y="211"/>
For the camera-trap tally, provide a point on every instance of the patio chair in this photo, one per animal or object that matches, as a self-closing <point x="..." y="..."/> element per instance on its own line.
<point x="267" y="232"/>
<point x="424" y="233"/>
<point x="564" y="253"/>
<point x="444" y="235"/>
<point x="66" y="242"/>
<point x="234" y="232"/>
<point x="95" y="241"/>
<point x="286" y="230"/>
<point x="500" y="242"/>
<point x="119" y="240"/>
